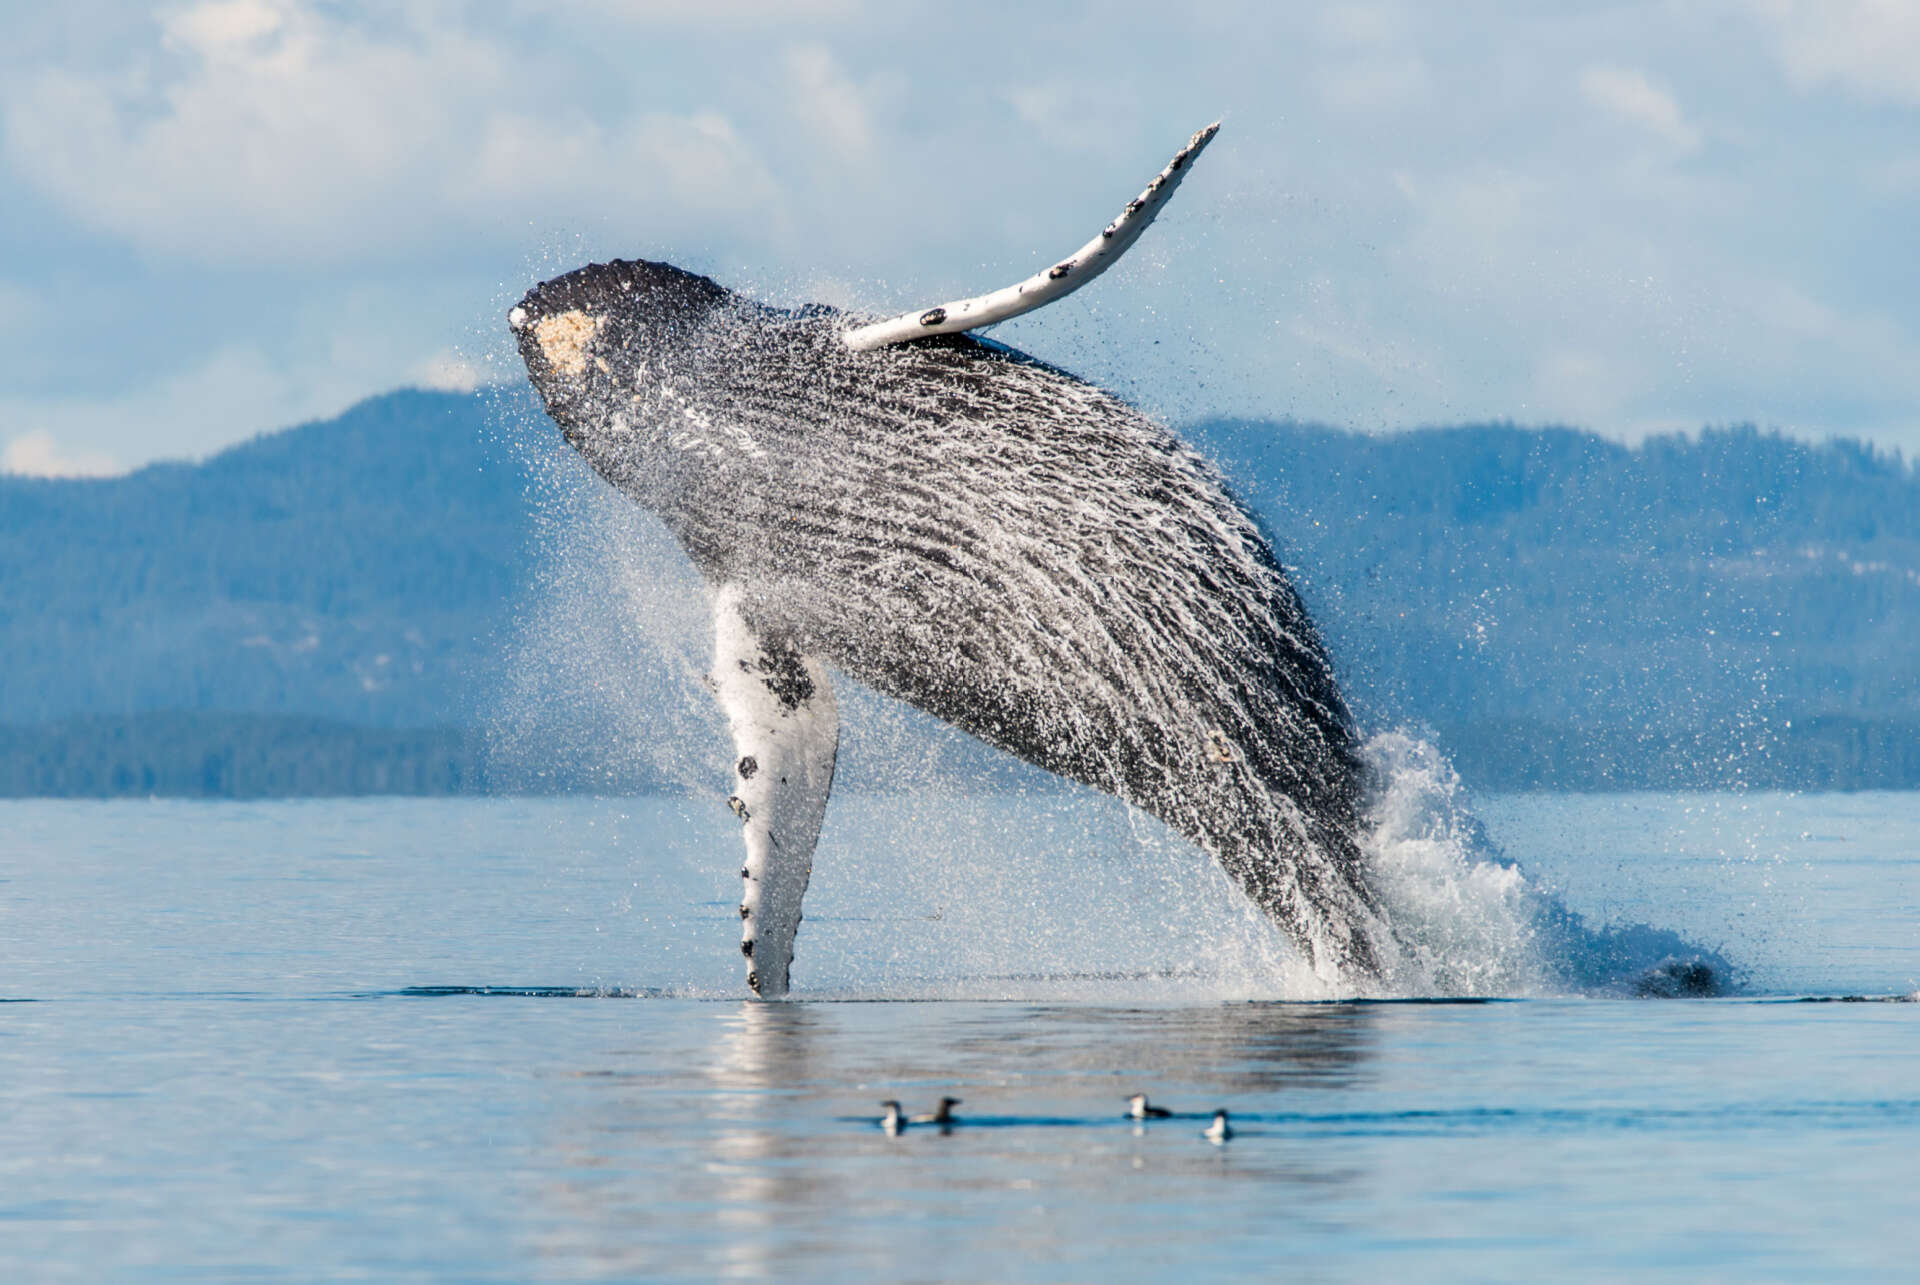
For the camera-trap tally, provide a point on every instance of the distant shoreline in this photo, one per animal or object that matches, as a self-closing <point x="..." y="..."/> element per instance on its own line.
<point x="361" y="596"/>
<point x="206" y="755"/>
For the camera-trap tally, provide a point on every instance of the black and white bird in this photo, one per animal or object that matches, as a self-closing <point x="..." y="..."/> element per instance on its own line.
<point x="1139" y="1108"/>
<point x="941" y="1115"/>
<point x="890" y="1118"/>
<point x="1219" y="1131"/>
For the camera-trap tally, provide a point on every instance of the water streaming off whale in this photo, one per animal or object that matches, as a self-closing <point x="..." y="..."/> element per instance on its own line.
<point x="961" y="859"/>
<point x="1024" y="557"/>
<point x="988" y="540"/>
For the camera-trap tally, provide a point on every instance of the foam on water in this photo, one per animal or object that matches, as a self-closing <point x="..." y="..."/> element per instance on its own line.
<point x="1467" y="919"/>
<point x="1464" y="921"/>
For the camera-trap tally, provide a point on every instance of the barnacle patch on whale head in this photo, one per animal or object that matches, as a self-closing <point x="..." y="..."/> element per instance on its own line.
<point x="563" y="339"/>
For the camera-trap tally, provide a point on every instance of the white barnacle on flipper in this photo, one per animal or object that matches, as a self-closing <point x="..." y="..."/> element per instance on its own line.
<point x="786" y="733"/>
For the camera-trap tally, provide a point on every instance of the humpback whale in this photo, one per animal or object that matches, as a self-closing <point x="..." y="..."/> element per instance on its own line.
<point x="979" y="534"/>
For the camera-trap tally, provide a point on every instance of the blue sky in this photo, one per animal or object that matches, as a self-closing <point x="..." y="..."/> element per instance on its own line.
<point x="231" y="216"/>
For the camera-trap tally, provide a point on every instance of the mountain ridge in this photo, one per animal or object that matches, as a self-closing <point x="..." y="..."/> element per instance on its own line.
<point x="1720" y="607"/>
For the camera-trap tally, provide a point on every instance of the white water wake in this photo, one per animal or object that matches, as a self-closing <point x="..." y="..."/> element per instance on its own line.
<point x="1469" y="922"/>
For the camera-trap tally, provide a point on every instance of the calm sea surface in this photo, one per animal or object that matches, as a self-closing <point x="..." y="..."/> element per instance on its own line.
<point x="504" y="1040"/>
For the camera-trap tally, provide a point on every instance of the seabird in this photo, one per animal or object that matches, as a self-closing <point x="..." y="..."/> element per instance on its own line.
<point x="1139" y="1109"/>
<point x="941" y="1115"/>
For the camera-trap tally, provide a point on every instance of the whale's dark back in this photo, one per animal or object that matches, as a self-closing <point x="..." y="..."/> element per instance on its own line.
<point x="1017" y="553"/>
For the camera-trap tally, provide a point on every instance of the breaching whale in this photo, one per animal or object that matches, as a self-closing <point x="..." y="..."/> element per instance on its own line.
<point x="981" y="535"/>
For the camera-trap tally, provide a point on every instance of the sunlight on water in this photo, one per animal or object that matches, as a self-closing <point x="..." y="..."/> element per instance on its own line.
<point x="506" y="1039"/>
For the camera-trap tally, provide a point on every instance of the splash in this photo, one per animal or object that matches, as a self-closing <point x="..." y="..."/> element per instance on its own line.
<point x="951" y="871"/>
<point x="605" y="691"/>
<point x="1000" y="546"/>
<point x="1468" y="921"/>
<point x="990" y="541"/>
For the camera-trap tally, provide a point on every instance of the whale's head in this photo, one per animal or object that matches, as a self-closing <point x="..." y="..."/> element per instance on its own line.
<point x="607" y="320"/>
<point x="602" y="343"/>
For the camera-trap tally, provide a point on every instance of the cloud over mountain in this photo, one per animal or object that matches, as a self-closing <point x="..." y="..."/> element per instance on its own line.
<point x="1632" y="215"/>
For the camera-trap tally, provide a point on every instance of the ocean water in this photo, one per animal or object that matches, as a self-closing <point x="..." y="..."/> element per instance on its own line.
<point x="506" y="1040"/>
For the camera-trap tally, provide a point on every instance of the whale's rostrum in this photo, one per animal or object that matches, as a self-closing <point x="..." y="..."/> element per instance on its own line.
<point x="982" y="536"/>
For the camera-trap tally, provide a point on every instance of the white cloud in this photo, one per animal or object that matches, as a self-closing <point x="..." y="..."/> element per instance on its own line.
<point x="1375" y="82"/>
<point x="719" y="15"/>
<point x="1074" y="115"/>
<point x="37" y="454"/>
<point x="231" y="394"/>
<point x="1899" y="176"/>
<point x="331" y="197"/>
<point x="1629" y="96"/>
<point x="1362" y="25"/>
<point x="1370" y="61"/>
<point x="1870" y="48"/>
<point x="694" y="166"/>
<point x="288" y="134"/>
<point x="1476" y="219"/>
<point x="827" y="100"/>
<point x="448" y="372"/>
<point x="226" y="24"/>
<point x="17" y="305"/>
<point x="1582" y="386"/>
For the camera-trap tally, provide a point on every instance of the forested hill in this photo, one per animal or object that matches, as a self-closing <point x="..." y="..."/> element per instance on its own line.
<point x="360" y="568"/>
<point x="1545" y="593"/>
<point x="1561" y="610"/>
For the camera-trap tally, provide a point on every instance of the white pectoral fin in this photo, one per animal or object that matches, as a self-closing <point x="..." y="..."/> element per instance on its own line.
<point x="1043" y="287"/>
<point x="786" y="733"/>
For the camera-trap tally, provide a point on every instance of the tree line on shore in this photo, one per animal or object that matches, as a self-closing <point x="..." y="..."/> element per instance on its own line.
<point x="338" y="608"/>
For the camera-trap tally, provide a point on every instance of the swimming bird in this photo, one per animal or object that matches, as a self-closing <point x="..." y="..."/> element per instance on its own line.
<point x="890" y="1117"/>
<point x="978" y="534"/>
<point x="941" y="1115"/>
<point x="1140" y="1109"/>
<point x="1219" y="1130"/>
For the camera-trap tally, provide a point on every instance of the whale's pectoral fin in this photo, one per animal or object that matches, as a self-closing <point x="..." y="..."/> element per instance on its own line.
<point x="1042" y="288"/>
<point x="786" y="732"/>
